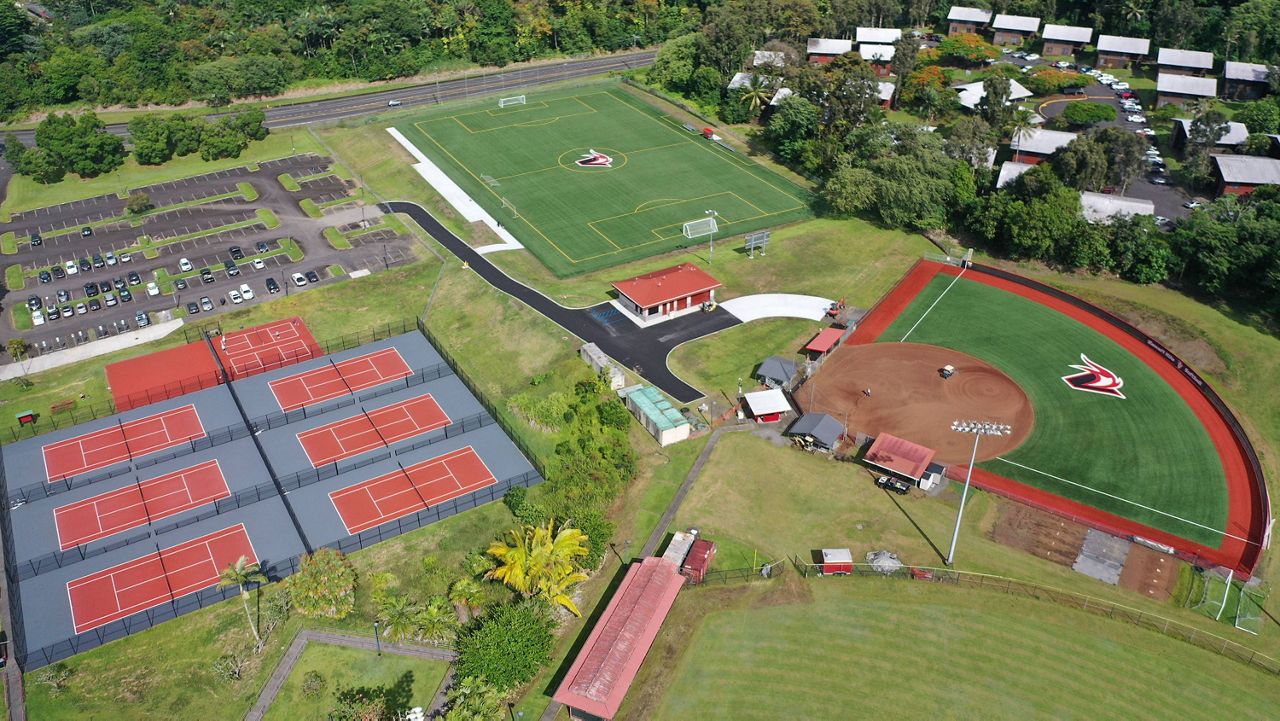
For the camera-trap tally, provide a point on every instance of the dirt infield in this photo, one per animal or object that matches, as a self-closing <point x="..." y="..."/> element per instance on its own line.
<point x="911" y="400"/>
<point x="1041" y="534"/>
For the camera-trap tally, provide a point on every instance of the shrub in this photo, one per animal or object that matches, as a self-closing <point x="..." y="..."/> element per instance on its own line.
<point x="1087" y="113"/>
<point x="1047" y="81"/>
<point x="508" y="645"/>
<point x="514" y="498"/>
<point x="275" y="610"/>
<point x="473" y="699"/>
<point x="55" y="677"/>
<point x="139" y="203"/>
<point x="324" y="586"/>
<point x="614" y="415"/>
<point x="230" y="667"/>
<point x="313" y="684"/>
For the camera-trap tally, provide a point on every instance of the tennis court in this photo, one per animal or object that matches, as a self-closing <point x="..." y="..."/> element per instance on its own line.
<point x="121" y="442"/>
<point x="339" y="379"/>
<point x="411" y="489"/>
<point x="372" y="429"/>
<point x="266" y="347"/>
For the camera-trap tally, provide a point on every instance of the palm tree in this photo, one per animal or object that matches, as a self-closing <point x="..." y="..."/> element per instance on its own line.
<point x="436" y="621"/>
<point x="1133" y="11"/>
<point x="398" y="615"/>
<point x="756" y="93"/>
<point x="240" y="574"/>
<point x="466" y="594"/>
<point x="1021" y="124"/>
<point x="541" y="561"/>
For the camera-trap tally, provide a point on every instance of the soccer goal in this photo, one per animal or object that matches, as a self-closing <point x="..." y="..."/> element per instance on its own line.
<point x="513" y="100"/>
<point x="490" y="181"/>
<point x="700" y="227"/>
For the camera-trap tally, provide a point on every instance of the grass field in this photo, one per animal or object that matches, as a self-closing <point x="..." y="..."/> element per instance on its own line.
<point x="1145" y="457"/>
<point x="521" y="164"/>
<point x="867" y="648"/>
<point x="344" y="667"/>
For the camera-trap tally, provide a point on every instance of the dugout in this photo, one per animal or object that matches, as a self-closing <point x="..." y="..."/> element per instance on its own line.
<point x="817" y="431"/>
<point x="767" y="406"/>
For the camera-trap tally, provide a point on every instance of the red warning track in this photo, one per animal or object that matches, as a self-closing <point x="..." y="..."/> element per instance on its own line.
<point x="266" y="347"/>
<point x="120" y="591"/>
<point x="410" y="490"/>
<point x="371" y="430"/>
<point x="339" y="379"/>
<point x="121" y="442"/>
<point x="137" y="504"/>
<point x="1247" y="513"/>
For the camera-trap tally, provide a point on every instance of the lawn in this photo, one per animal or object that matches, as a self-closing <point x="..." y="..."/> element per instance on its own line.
<point x="1144" y="457"/>
<point x="528" y="166"/>
<point x="26" y="194"/>
<point x="717" y="364"/>
<point x="892" y="649"/>
<point x="343" y="667"/>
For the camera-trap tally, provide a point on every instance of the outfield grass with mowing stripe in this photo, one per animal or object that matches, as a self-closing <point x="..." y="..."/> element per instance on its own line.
<point x="521" y="163"/>
<point x="881" y="649"/>
<point x="1147" y="448"/>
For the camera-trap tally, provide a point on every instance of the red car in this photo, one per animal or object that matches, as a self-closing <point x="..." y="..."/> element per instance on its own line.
<point x="1127" y="95"/>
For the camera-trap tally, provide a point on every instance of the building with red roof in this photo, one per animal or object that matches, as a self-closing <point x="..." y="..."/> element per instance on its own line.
<point x="606" y="665"/>
<point x="664" y="293"/>
<point x="899" y="456"/>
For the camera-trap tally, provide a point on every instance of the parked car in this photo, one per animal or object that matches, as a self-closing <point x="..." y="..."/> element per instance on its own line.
<point x="125" y="296"/>
<point x="897" y="485"/>
<point x="85" y="265"/>
<point x="110" y="299"/>
<point x="1136" y="119"/>
<point x="235" y="296"/>
<point x="1145" y="131"/>
<point x="237" y="253"/>
<point x="153" y="289"/>
<point x="272" y="286"/>
<point x="64" y="295"/>
<point x="37" y="318"/>
<point x="67" y="311"/>
<point x="1032" y="56"/>
<point x="261" y="246"/>
<point x="192" y="309"/>
<point x="45" y="277"/>
<point x="134" y="278"/>
<point x="119" y="283"/>
<point x="58" y="272"/>
<point x="86" y="232"/>
<point x="53" y="313"/>
<point x="258" y="264"/>
<point x="1075" y="91"/>
<point x="36" y="240"/>
<point x="1019" y="54"/>
<point x="299" y="279"/>
<point x="1192" y="204"/>
<point x="1120" y="86"/>
<point x="1062" y="65"/>
<point x="142" y="319"/>
<point x="95" y="304"/>
<point x="231" y="268"/>
<point x="246" y="291"/>
<point x="1159" y="180"/>
<point x="34" y="303"/>
<point x="126" y="257"/>
<point x="205" y="303"/>
<point x="179" y="284"/>
<point x="90" y="290"/>
<point x="206" y="275"/>
<point x="393" y="103"/>
<point x="109" y="257"/>
<point x="185" y="266"/>
<point x="313" y="277"/>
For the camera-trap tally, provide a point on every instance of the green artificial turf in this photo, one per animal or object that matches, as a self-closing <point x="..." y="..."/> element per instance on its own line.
<point x="520" y="164"/>
<point x="1145" y="457"/>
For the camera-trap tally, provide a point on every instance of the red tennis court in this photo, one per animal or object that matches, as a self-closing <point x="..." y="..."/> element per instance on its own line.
<point x="121" y="442"/>
<point x="413" y="489"/>
<point x="266" y="347"/>
<point x="120" y="591"/>
<point x="137" y="504"/>
<point x="374" y="429"/>
<point x="339" y="379"/>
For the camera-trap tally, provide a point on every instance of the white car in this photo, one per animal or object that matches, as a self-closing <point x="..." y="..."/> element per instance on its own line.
<point x="393" y="103"/>
<point x="258" y="264"/>
<point x="37" y="318"/>
<point x="1145" y="131"/>
<point x="152" y="288"/>
<point x="1106" y="79"/>
<point x="1120" y="86"/>
<point x="1192" y="204"/>
<point x="71" y="267"/>
<point x="1062" y="64"/>
<point x="246" y="291"/>
<point x="235" y="296"/>
<point x="126" y="257"/>
<point x="185" y="266"/>
<point x="1136" y="119"/>
<point x="299" y="279"/>
<point x="1033" y="56"/>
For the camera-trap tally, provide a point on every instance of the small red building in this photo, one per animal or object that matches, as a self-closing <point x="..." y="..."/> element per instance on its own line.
<point x="836" y="562"/>
<point x="701" y="554"/>
<point x="667" y="291"/>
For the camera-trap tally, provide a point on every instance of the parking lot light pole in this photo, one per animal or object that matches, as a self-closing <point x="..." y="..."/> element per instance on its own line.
<point x="978" y="429"/>
<point x="377" y="638"/>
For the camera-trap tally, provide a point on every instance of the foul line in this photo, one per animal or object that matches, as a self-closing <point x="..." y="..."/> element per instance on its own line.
<point x="931" y="305"/>
<point x="1132" y="503"/>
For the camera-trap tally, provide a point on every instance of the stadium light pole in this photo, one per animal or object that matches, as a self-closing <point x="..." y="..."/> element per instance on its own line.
<point x="978" y="429"/>
<point x="711" y="253"/>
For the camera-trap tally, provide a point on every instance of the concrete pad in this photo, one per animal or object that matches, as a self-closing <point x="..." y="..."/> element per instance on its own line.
<point x="777" y="305"/>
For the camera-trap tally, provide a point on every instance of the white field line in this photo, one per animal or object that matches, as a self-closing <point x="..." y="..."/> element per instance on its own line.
<point x="931" y="305"/>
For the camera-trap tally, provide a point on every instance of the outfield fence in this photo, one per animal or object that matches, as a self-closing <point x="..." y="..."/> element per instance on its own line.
<point x="1026" y="589"/>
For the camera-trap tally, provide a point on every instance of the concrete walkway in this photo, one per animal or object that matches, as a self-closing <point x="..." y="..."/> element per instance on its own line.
<point x="777" y="305"/>
<point x="337" y="638"/>
<point x="74" y="354"/>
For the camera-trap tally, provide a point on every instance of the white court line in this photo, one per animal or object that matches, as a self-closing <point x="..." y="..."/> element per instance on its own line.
<point x="1126" y="500"/>
<point x="931" y="305"/>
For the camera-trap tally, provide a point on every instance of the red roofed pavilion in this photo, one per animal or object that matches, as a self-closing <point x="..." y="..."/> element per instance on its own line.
<point x="667" y="291"/>
<point x="607" y="664"/>
<point x="900" y="456"/>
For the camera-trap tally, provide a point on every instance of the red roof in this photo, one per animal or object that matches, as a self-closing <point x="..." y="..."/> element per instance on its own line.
<point x="668" y="284"/>
<point x="607" y="664"/>
<point x="825" y="340"/>
<point x="899" y="456"/>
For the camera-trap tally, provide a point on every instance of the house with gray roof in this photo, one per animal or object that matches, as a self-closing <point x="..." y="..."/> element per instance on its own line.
<point x="824" y="50"/>
<point x="1065" y="39"/>
<point x="1244" y="81"/>
<point x="817" y="431"/>
<point x="776" y="372"/>
<point x="1014" y="29"/>
<point x="1034" y="145"/>
<point x="972" y="93"/>
<point x="1243" y="174"/>
<point x="1232" y="137"/>
<point x="1118" y="51"/>
<point x="1178" y="89"/>
<point x="1104" y="208"/>
<point x="962" y="20"/>
<point x="1184" y="62"/>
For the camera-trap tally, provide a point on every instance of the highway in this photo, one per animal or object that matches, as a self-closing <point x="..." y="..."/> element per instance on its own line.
<point x="328" y="110"/>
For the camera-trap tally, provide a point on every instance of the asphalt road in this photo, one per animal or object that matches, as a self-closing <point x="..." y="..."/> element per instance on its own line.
<point x="319" y="111"/>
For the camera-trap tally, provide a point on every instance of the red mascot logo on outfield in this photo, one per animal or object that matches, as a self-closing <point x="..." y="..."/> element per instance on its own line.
<point x="1095" y="379"/>
<point x="595" y="159"/>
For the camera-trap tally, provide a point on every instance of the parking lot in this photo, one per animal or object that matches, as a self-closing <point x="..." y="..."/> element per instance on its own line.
<point x="92" y="271"/>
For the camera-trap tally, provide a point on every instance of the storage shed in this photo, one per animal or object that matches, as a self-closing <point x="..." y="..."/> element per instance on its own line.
<point x="836" y="562"/>
<point x="698" y="561"/>
<point x="818" y="431"/>
<point x="663" y="421"/>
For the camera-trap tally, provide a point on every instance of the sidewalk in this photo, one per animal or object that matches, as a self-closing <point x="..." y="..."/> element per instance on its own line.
<point x="75" y="354"/>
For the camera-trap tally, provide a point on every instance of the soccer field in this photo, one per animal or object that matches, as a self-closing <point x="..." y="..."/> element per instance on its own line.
<point x="593" y="177"/>
<point x="1145" y="457"/>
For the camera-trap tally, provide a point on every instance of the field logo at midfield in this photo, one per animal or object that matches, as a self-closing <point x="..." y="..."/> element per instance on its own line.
<point x="1095" y="379"/>
<point x="594" y="159"/>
